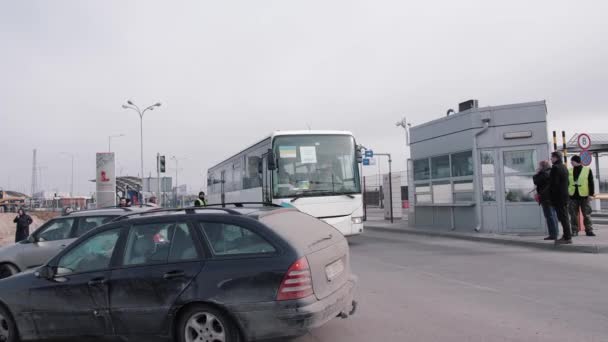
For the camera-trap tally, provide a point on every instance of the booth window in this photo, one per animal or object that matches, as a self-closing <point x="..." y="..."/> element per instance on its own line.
<point x="423" y="193"/>
<point x="462" y="164"/>
<point x="452" y="179"/>
<point x="488" y="181"/>
<point x="442" y="192"/>
<point x="440" y="167"/>
<point x="519" y="170"/>
<point x="422" y="170"/>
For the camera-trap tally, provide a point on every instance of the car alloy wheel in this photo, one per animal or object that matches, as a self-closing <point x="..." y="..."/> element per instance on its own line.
<point x="7" y="270"/>
<point x="5" y="328"/>
<point x="203" y="323"/>
<point x="205" y="327"/>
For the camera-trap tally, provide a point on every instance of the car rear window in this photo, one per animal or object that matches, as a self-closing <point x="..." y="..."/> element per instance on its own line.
<point x="302" y="231"/>
<point x="229" y="239"/>
<point x="88" y="223"/>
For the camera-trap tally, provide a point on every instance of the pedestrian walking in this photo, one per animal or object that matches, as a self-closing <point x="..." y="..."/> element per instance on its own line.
<point x="542" y="180"/>
<point x="201" y="201"/>
<point x="23" y="222"/>
<point x="581" y="190"/>
<point x="558" y="185"/>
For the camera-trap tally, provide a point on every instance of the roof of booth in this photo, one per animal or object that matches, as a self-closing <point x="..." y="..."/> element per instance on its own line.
<point x="599" y="142"/>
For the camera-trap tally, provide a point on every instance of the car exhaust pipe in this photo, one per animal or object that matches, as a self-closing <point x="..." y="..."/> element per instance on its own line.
<point x="345" y="315"/>
<point x="354" y="309"/>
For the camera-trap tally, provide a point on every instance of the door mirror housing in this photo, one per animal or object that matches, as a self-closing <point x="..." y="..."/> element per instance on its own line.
<point x="358" y="155"/>
<point x="45" y="272"/>
<point x="32" y="239"/>
<point x="271" y="160"/>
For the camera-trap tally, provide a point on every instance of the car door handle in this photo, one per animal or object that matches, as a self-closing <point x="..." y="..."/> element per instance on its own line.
<point x="174" y="274"/>
<point x="97" y="281"/>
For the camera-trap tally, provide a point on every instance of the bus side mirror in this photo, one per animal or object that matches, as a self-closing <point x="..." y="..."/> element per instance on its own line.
<point x="358" y="155"/>
<point x="271" y="160"/>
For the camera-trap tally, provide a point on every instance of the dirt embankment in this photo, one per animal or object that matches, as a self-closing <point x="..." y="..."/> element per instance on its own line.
<point x="7" y="227"/>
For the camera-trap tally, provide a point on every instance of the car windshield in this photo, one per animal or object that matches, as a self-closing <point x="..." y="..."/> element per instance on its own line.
<point x="315" y="165"/>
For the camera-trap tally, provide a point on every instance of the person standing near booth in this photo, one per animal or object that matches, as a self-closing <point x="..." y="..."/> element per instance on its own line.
<point x="581" y="190"/>
<point x="559" y="195"/>
<point x="541" y="180"/>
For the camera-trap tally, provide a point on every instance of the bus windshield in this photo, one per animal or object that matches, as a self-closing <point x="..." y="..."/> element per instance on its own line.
<point x="315" y="165"/>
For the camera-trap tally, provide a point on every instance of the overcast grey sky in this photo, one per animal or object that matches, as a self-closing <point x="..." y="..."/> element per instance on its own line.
<point x="230" y="72"/>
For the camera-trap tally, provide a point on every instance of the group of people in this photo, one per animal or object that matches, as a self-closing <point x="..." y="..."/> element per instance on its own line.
<point x="563" y="193"/>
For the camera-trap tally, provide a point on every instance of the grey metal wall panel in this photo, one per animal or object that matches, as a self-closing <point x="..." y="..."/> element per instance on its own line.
<point x="465" y="218"/>
<point x="491" y="219"/>
<point x="442" y="217"/>
<point x="424" y="216"/>
<point x="524" y="218"/>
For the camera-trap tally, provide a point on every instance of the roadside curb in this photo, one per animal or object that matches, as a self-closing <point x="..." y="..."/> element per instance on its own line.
<point x="586" y="248"/>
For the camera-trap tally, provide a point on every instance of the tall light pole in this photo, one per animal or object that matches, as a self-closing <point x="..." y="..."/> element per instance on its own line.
<point x="131" y="105"/>
<point x="110" y="140"/>
<point x="176" y="174"/>
<point x="406" y="127"/>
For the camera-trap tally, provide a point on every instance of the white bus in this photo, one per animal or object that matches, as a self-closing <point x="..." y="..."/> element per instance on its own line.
<point x="316" y="172"/>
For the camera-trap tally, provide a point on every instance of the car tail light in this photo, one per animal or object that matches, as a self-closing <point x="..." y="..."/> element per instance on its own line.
<point x="297" y="283"/>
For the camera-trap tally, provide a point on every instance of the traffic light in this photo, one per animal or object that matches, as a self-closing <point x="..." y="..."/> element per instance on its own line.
<point x="162" y="164"/>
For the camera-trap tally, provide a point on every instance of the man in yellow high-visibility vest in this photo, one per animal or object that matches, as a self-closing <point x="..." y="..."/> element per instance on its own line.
<point x="201" y="201"/>
<point x="581" y="189"/>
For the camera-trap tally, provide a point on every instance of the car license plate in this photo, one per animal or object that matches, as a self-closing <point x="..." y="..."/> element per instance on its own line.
<point x="332" y="271"/>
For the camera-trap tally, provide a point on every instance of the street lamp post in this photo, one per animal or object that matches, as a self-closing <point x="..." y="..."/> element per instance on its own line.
<point x="110" y="140"/>
<point x="131" y="105"/>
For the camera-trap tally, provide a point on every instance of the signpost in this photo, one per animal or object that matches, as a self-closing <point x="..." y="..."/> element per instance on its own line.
<point x="584" y="141"/>
<point x="586" y="158"/>
<point x="369" y="153"/>
<point x="369" y="161"/>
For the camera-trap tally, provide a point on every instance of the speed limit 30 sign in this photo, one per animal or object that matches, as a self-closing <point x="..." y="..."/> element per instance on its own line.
<point x="584" y="141"/>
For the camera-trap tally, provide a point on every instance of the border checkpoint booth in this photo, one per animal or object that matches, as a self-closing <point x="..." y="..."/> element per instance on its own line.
<point x="472" y="170"/>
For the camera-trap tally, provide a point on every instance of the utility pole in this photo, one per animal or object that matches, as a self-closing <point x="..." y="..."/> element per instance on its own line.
<point x="390" y="181"/>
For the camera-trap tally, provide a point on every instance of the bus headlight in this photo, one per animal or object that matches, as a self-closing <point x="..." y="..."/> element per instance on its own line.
<point x="357" y="220"/>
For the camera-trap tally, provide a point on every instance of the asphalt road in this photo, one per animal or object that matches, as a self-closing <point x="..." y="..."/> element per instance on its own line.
<point x="415" y="288"/>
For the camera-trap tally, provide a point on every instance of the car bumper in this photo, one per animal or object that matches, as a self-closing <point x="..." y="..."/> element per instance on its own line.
<point x="295" y="318"/>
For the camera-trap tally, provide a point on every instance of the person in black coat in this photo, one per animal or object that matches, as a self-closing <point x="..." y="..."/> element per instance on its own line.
<point x="23" y="222"/>
<point x="542" y="180"/>
<point x="558" y="184"/>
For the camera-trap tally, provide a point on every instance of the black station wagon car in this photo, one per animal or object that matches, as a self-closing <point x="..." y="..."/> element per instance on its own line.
<point x="196" y="274"/>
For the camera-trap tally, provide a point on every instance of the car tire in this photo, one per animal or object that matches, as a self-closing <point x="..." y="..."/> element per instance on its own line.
<point x="7" y="270"/>
<point x="207" y="324"/>
<point x="8" y="329"/>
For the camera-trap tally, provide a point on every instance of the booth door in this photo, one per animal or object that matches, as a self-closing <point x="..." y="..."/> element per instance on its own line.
<point x="520" y="212"/>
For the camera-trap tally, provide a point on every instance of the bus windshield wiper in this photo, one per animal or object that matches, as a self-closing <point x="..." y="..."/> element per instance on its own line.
<point x="324" y="192"/>
<point x="306" y="194"/>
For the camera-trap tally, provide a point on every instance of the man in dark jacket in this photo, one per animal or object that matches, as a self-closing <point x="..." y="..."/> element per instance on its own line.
<point x="581" y="190"/>
<point x="559" y="195"/>
<point x="23" y="222"/>
<point x="541" y="180"/>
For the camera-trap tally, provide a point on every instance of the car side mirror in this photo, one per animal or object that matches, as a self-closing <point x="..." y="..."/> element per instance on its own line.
<point x="45" y="272"/>
<point x="271" y="160"/>
<point x="32" y="239"/>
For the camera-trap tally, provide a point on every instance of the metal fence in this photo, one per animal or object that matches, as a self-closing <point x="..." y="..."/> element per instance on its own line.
<point x="372" y="189"/>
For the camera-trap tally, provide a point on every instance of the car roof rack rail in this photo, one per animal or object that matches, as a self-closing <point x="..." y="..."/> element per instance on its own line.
<point x="187" y="210"/>
<point x="242" y="204"/>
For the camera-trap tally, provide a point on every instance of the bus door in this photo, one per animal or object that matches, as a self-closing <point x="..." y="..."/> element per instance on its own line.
<point x="266" y="179"/>
<point x="223" y="186"/>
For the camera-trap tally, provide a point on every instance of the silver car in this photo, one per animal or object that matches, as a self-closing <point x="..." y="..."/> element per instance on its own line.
<point x="52" y="237"/>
